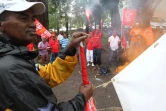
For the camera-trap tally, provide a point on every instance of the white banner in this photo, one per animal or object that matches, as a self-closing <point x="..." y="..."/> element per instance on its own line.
<point x="141" y="86"/>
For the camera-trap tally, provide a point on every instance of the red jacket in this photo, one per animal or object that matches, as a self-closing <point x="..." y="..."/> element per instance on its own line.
<point x="97" y="40"/>
<point x="89" y="43"/>
<point x="54" y="44"/>
<point x="30" y="47"/>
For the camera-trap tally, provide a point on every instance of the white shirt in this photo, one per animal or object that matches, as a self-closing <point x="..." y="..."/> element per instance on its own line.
<point x="60" y="37"/>
<point x="114" y="41"/>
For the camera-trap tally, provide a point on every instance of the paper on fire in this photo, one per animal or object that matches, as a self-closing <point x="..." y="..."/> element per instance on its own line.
<point x="141" y="85"/>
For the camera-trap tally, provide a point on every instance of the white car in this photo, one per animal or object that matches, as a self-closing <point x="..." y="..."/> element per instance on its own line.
<point x="157" y="22"/>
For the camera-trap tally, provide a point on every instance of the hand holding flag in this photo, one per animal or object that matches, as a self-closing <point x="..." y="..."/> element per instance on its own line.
<point x="90" y="105"/>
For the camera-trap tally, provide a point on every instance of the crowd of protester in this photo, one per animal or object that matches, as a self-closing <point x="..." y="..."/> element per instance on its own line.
<point x="131" y="41"/>
<point x="48" y="48"/>
<point x="136" y="41"/>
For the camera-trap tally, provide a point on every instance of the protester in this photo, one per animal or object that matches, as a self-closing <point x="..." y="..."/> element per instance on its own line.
<point x="148" y="35"/>
<point x="97" y="48"/>
<point x="60" y="36"/>
<point x="22" y="88"/>
<point x="43" y="46"/>
<point x="54" y="46"/>
<point x="89" y="50"/>
<point x="135" y="43"/>
<point x="113" y="43"/>
<point x="30" y="47"/>
<point x="64" y="41"/>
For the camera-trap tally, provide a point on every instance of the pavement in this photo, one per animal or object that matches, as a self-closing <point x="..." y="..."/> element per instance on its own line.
<point x="105" y="95"/>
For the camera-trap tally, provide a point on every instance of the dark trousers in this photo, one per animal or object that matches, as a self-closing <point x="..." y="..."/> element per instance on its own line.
<point x="53" y="57"/>
<point x="97" y="56"/>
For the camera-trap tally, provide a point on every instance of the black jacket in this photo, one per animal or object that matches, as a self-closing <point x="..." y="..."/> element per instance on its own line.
<point x="21" y="87"/>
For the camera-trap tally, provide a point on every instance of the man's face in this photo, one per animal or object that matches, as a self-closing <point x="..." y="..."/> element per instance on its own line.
<point x="64" y="35"/>
<point x="53" y="37"/>
<point x="20" y="27"/>
<point x="114" y="33"/>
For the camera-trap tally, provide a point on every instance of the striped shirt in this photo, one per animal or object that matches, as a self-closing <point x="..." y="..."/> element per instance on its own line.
<point x="64" y="42"/>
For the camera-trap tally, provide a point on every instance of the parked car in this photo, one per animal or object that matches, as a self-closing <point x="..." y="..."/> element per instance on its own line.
<point x="158" y="22"/>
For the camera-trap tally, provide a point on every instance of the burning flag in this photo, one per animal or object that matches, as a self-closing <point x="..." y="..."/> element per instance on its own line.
<point x="141" y="85"/>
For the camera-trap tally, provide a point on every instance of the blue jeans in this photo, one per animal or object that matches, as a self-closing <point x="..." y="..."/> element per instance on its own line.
<point x="53" y="57"/>
<point x="112" y="53"/>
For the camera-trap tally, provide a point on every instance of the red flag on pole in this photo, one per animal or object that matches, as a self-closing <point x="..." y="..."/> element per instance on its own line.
<point x="128" y="17"/>
<point x="90" y="104"/>
<point x="41" y="30"/>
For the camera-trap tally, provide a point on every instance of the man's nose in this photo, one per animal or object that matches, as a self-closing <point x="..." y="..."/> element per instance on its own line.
<point x="32" y="25"/>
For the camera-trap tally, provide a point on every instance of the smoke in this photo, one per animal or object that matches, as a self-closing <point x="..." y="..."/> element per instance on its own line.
<point x="92" y="4"/>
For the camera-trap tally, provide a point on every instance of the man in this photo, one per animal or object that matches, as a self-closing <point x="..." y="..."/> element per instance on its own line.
<point x="97" y="48"/>
<point x="43" y="50"/>
<point x="60" y="36"/>
<point x="135" y="44"/>
<point x="64" y="41"/>
<point x="54" y="45"/>
<point x="22" y="88"/>
<point x="89" y="49"/>
<point x="30" y="47"/>
<point x="148" y="35"/>
<point x="113" y="43"/>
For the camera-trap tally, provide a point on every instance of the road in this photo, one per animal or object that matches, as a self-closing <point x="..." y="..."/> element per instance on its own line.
<point x="105" y="97"/>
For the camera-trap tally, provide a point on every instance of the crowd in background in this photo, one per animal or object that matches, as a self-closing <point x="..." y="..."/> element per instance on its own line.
<point x="48" y="48"/>
<point x="132" y="41"/>
<point x="136" y="41"/>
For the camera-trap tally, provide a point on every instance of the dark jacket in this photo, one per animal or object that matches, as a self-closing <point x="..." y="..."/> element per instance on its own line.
<point x="22" y="88"/>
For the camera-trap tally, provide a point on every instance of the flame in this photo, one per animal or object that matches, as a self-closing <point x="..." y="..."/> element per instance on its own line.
<point x="87" y="12"/>
<point x="120" y="68"/>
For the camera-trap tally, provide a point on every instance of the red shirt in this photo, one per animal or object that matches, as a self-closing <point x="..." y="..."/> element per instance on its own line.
<point x="54" y="44"/>
<point x="97" y="40"/>
<point x="30" y="47"/>
<point x="89" y="43"/>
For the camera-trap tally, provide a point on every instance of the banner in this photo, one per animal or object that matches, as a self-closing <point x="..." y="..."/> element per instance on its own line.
<point x="141" y="85"/>
<point x="41" y="30"/>
<point x="128" y="17"/>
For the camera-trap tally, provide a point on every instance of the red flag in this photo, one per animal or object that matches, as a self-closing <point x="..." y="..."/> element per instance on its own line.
<point x="128" y="17"/>
<point x="41" y="30"/>
<point x="90" y="104"/>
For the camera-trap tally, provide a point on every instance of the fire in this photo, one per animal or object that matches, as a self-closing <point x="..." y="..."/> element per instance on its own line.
<point x="87" y="13"/>
<point x="120" y="68"/>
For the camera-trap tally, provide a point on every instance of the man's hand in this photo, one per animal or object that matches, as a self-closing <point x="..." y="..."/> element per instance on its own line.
<point x="87" y="90"/>
<point x="77" y="37"/>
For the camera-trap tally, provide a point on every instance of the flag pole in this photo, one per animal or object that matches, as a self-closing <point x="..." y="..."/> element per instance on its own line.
<point x="122" y="33"/>
<point x="122" y="38"/>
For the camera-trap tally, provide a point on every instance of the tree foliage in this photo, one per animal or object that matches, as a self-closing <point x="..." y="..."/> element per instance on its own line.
<point x="72" y="12"/>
